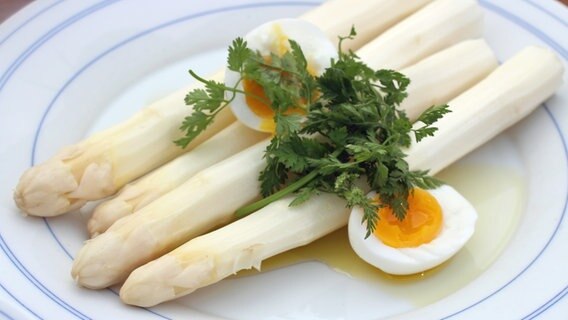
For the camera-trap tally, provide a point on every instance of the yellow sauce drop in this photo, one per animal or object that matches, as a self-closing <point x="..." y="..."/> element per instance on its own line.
<point x="267" y="125"/>
<point x="281" y="44"/>
<point x="499" y="205"/>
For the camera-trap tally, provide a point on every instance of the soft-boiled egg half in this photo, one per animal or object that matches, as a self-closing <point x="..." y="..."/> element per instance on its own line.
<point x="273" y="37"/>
<point x="438" y="224"/>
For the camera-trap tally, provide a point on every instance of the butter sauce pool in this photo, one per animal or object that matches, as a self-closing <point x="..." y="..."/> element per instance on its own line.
<point x="497" y="192"/>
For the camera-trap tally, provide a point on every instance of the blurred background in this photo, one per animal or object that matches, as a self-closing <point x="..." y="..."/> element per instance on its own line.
<point x="8" y="7"/>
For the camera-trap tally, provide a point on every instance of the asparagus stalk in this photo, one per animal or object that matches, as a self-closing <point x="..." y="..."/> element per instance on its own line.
<point x="509" y="94"/>
<point x="434" y="27"/>
<point x="141" y="192"/>
<point x="97" y="167"/>
<point x="210" y="198"/>
<point x="442" y="76"/>
<point x="362" y="16"/>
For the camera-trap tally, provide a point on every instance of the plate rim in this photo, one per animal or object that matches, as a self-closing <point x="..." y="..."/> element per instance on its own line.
<point x="486" y="4"/>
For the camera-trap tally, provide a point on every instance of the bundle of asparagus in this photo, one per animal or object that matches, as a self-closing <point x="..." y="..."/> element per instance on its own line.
<point x="193" y="208"/>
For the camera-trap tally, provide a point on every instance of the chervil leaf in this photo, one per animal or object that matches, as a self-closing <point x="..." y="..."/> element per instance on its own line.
<point x="350" y="36"/>
<point x="339" y="136"/>
<point x="394" y="84"/>
<point x="299" y="58"/>
<point x="196" y="97"/>
<point x="357" y="198"/>
<point x="422" y="180"/>
<point x="287" y="125"/>
<point x="433" y="114"/>
<point x="304" y="194"/>
<point x="428" y="118"/>
<point x="238" y="55"/>
<point x="424" y="132"/>
<point x="192" y="126"/>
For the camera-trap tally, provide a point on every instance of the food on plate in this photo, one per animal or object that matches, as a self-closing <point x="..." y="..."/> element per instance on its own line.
<point x="510" y="93"/>
<point x="442" y="76"/>
<point x="438" y="224"/>
<point x="205" y="201"/>
<point x="434" y="27"/>
<point x="270" y="42"/>
<point x="141" y="192"/>
<point x="98" y="166"/>
<point x="194" y="208"/>
<point x="507" y="95"/>
<point x="363" y="14"/>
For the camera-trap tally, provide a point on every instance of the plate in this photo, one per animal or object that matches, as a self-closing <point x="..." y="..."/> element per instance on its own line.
<point x="70" y="68"/>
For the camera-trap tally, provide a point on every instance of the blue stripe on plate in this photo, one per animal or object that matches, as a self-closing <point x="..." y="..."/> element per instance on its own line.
<point x="60" y="27"/>
<point x="547" y="12"/>
<point x="525" y="25"/>
<point x="20" y="302"/>
<point x="24" y="271"/>
<point x="39" y="13"/>
<point x="5" y="316"/>
<point x="498" y="10"/>
<point x="548" y="304"/>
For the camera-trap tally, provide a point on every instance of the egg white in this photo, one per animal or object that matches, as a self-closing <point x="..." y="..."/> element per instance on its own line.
<point x="317" y="48"/>
<point x="458" y="225"/>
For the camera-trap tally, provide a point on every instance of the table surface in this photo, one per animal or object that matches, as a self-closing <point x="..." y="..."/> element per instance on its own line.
<point x="8" y="7"/>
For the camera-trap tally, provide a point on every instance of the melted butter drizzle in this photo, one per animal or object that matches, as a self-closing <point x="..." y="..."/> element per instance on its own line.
<point x="499" y="196"/>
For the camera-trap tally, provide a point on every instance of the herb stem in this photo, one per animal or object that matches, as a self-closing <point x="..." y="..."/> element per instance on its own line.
<point x="197" y="77"/>
<point x="246" y="210"/>
<point x="233" y="90"/>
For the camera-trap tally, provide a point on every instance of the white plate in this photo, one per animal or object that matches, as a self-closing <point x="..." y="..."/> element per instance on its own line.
<point x="68" y="68"/>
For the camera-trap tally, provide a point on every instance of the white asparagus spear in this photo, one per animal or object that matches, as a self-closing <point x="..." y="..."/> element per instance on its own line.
<point x="468" y="55"/>
<point x="442" y="76"/>
<point x="509" y="94"/>
<point x="332" y="17"/>
<point x="97" y="167"/>
<point x="434" y="27"/>
<point x="141" y="192"/>
<point x="195" y="207"/>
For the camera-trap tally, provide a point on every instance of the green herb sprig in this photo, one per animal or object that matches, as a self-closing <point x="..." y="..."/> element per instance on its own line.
<point x="352" y="135"/>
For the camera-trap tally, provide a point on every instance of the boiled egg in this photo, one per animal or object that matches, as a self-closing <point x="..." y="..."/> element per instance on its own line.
<point x="273" y="37"/>
<point x="438" y="224"/>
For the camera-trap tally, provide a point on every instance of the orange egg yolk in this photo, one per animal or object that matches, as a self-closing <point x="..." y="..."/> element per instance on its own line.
<point x="257" y="98"/>
<point x="258" y="106"/>
<point x="421" y="225"/>
<point x="256" y="103"/>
